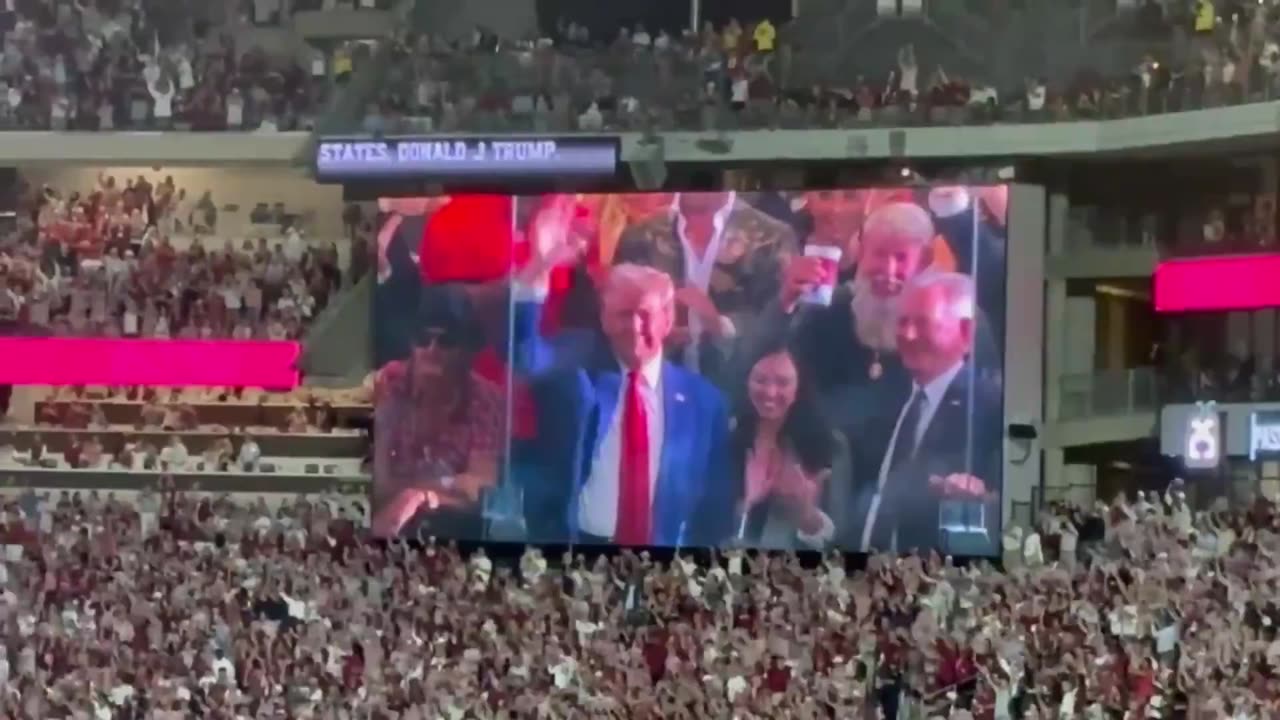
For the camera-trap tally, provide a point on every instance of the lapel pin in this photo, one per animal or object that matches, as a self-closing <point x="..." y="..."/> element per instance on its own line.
<point x="679" y="397"/>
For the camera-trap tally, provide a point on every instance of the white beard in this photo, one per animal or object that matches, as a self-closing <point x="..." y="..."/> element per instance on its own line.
<point x="874" y="318"/>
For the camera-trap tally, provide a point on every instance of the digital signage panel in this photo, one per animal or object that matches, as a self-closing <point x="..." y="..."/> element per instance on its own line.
<point x="446" y="159"/>
<point x="806" y="370"/>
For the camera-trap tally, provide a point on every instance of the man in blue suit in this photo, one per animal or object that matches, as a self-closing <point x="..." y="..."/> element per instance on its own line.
<point x="630" y="449"/>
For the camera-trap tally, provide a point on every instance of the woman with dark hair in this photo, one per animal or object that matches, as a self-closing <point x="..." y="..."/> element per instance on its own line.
<point x="441" y="426"/>
<point x="785" y="455"/>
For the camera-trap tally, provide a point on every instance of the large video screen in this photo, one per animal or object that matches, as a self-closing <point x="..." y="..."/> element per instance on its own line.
<point x="786" y="370"/>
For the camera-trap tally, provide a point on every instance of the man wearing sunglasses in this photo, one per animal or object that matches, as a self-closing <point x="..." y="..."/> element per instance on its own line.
<point x="441" y="426"/>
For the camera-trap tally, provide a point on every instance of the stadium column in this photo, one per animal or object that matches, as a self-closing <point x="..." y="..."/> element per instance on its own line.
<point x="1024" y="389"/>
<point x="1057" y="208"/>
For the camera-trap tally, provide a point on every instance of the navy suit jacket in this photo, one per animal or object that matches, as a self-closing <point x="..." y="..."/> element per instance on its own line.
<point x="576" y="385"/>
<point x="965" y="435"/>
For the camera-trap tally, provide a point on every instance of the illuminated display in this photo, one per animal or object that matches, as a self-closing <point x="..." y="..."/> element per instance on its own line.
<point x="443" y="159"/>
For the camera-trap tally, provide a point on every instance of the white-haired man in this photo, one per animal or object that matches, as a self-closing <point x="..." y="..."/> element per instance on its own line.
<point x="849" y="349"/>
<point x="933" y="451"/>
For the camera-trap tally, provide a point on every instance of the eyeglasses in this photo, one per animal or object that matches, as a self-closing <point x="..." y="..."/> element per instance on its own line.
<point x="441" y="338"/>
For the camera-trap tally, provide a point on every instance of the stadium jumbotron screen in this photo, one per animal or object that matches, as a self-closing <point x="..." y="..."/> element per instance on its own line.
<point x="811" y="370"/>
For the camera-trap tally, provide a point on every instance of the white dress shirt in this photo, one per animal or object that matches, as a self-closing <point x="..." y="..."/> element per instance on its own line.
<point x="698" y="269"/>
<point x="933" y="391"/>
<point x="598" y="503"/>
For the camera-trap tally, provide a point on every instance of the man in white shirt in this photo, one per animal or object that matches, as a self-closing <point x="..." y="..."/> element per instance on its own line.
<point x="935" y="455"/>
<point x="250" y="454"/>
<point x="174" y="456"/>
<point x="655" y="433"/>
<point x="1036" y="95"/>
<point x="706" y="236"/>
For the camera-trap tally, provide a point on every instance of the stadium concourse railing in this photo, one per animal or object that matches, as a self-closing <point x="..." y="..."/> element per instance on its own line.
<point x="1108" y="393"/>
<point x="1218" y="130"/>
<point x="225" y="482"/>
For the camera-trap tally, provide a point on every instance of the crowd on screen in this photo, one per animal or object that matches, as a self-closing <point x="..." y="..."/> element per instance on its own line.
<point x="176" y="604"/>
<point x="141" y="64"/>
<point x="740" y="73"/>
<point x="140" y="257"/>
<point x="826" y="376"/>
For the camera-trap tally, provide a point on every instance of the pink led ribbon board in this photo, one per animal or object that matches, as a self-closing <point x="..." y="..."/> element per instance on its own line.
<point x="167" y="363"/>
<point x="1237" y="282"/>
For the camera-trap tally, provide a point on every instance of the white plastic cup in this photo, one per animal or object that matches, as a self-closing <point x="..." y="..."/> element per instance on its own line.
<point x="821" y="293"/>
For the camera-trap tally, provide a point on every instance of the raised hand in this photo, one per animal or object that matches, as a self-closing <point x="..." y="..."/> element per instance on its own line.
<point x="552" y="242"/>
<point x="800" y="492"/>
<point x="801" y="275"/>
<point x="392" y="517"/>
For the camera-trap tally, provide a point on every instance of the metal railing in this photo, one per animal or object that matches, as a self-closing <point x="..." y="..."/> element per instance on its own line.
<point x="1107" y="393"/>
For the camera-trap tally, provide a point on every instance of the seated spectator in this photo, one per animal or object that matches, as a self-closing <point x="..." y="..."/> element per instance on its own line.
<point x="174" y="456"/>
<point x="250" y="454"/>
<point x="91" y="454"/>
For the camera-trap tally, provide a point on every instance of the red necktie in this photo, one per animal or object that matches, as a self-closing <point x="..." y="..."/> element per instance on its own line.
<point x="634" y="512"/>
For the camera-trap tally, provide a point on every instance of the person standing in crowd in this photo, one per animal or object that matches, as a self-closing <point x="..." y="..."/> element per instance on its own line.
<point x="630" y="449"/>
<point x="933" y="445"/>
<point x="725" y="257"/>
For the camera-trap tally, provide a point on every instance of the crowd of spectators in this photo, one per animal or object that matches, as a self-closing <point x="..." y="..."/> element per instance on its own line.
<point x="1233" y="376"/>
<point x="142" y="258"/>
<point x="741" y="75"/>
<point x="131" y="64"/>
<point x="177" y="604"/>
<point x="146" y="64"/>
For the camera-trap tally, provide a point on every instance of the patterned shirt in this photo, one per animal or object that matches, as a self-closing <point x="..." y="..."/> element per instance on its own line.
<point x="422" y="444"/>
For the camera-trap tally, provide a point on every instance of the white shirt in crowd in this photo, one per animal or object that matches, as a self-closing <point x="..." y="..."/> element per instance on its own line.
<point x="250" y="454"/>
<point x="235" y="109"/>
<point x="175" y="455"/>
<point x="591" y="119"/>
<point x="741" y="89"/>
<point x="1036" y="97"/>
<point x="983" y="95"/>
<point x="908" y="77"/>
<point x="294" y="246"/>
<point x="186" y="76"/>
<point x="598" y="503"/>
<point x="162" y="94"/>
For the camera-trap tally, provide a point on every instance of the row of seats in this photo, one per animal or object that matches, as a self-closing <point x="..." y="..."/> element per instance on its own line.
<point x="307" y="432"/>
